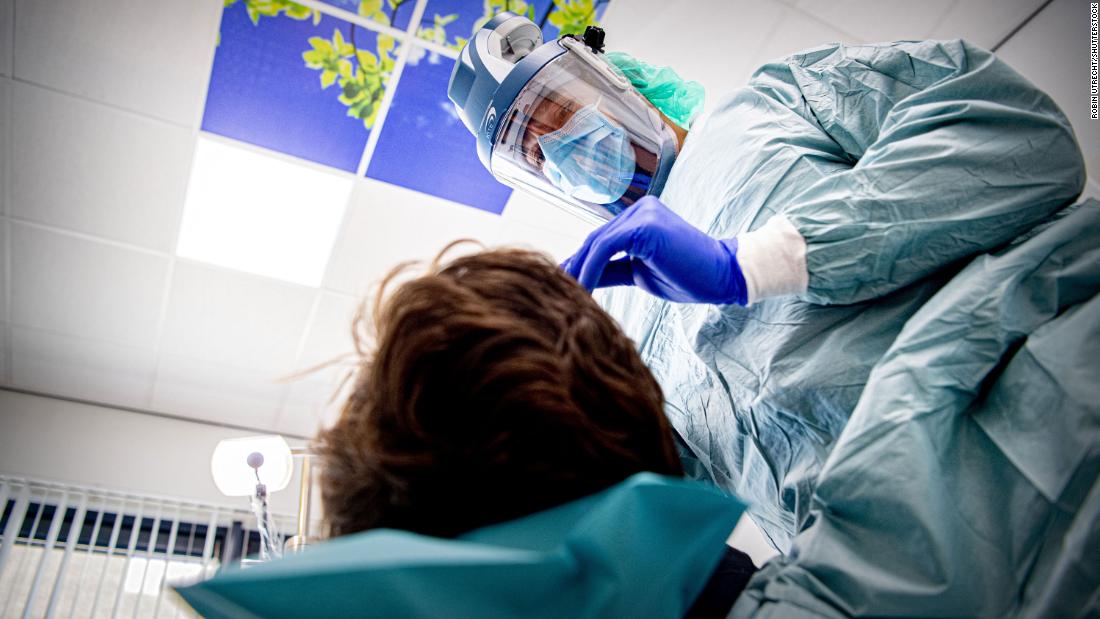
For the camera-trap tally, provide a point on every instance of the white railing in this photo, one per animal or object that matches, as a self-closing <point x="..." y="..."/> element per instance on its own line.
<point x="71" y="551"/>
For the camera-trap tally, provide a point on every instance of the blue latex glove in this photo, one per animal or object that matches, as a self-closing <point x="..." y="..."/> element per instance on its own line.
<point x="665" y="256"/>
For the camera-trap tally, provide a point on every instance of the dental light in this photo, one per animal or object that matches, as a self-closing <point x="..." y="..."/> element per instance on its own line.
<point x="254" y="466"/>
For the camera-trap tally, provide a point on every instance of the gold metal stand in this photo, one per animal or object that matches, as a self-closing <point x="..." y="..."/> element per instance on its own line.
<point x="305" y="495"/>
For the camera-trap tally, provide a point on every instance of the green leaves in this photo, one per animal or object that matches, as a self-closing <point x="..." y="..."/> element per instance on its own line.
<point x="330" y="57"/>
<point x="372" y="10"/>
<point x="573" y="16"/>
<point x="274" y="8"/>
<point x="362" y="82"/>
<point x="438" y="32"/>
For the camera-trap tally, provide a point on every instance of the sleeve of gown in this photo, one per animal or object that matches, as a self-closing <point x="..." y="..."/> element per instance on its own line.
<point x="952" y="152"/>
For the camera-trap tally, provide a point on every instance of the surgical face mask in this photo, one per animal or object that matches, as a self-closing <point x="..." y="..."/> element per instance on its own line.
<point x="590" y="158"/>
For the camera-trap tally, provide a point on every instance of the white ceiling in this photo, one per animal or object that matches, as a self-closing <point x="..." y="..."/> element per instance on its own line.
<point x="101" y="104"/>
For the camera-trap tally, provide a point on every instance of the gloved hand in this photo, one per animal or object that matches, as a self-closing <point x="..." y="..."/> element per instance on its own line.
<point x="665" y="256"/>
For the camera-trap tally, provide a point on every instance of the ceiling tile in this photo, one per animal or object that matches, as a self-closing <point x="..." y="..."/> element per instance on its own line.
<point x="330" y="332"/>
<point x="387" y="224"/>
<point x="1043" y="53"/>
<point x="4" y="245"/>
<point x="984" y="22"/>
<point x="153" y="57"/>
<point x="794" y="32"/>
<point x="311" y="404"/>
<point x="7" y="24"/>
<point x="533" y="211"/>
<point x="559" y="246"/>
<point x="5" y="347"/>
<point x="218" y="393"/>
<point x="235" y="319"/>
<point x="85" y="288"/>
<point x="875" y="20"/>
<point x="5" y="136"/>
<point x="713" y="46"/>
<point x="95" y="169"/>
<point x="86" y="369"/>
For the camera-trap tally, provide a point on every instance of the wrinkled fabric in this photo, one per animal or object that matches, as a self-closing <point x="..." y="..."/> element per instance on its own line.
<point x="643" y="548"/>
<point x="896" y="163"/>
<point x="967" y="481"/>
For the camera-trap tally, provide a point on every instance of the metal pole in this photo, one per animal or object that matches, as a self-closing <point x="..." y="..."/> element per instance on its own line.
<point x="168" y="559"/>
<point x="75" y="528"/>
<point x="18" y="576"/>
<point x="306" y="490"/>
<point x="89" y="553"/>
<point x="51" y="539"/>
<point x="208" y="542"/>
<point x="111" y="543"/>
<point x="15" y="524"/>
<point x="135" y="532"/>
<point x="150" y="547"/>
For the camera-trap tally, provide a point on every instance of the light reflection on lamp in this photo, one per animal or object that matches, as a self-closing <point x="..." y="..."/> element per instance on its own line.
<point x="248" y="467"/>
<point x="233" y="474"/>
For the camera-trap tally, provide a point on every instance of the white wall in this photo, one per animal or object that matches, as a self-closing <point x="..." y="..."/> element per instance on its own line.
<point x="59" y="440"/>
<point x="1052" y="51"/>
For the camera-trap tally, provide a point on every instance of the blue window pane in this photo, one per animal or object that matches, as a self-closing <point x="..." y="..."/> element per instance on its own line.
<point x="449" y="22"/>
<point x="425" y="147"/>
<point x="394" y="13"/>
<point x="551" y="32"/>
<point x="262" y="92"/>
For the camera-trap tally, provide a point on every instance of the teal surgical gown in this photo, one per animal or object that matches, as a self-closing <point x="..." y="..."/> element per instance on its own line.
<point x="967" y="480"/>
<point x="643" y="548"/>
<point x="897" y="164"/>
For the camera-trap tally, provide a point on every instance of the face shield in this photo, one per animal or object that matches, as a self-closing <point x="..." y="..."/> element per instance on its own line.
<point x="579" y="135"/>
<point x="573" y="131"/>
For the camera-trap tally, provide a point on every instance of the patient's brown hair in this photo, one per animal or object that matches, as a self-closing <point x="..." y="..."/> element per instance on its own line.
<point x="496" y="388"/>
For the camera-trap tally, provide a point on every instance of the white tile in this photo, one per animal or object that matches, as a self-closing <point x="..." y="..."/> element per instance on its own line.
<point x="85" y="288"/>
<point x="7" y="24"/>
<point x="95" y="169"/>
<point x="533" y="211"/>
<point x="713" y="44"/>
<point x="1044" y="53"/>
<point x="153" y="57"/>
<point x="313" y="402"/>
<point x="984" y="22"/>
<point x="5" y="378"/>
<point x="3" y="270"/>
<point x="879" y="20"/>
<point x="330" y="331"/>
<point x="215" y="392"/>
<point x="235" y="319"/>
<point x="329" y="353"/>
<point x="387" y="225"/>
<point x="559" y="246"/>
<point x="86" y="369"/>
<point x="5" y="140"/>
<point x="794" y="32"/>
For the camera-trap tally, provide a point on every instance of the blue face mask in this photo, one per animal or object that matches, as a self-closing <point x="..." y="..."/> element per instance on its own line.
<point x="589" y="158"/>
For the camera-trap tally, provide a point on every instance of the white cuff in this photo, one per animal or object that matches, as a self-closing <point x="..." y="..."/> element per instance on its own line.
<point x="773" y="260"/>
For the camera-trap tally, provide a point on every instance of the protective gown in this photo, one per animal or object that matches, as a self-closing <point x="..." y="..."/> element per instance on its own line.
<point x="896" y="164"/>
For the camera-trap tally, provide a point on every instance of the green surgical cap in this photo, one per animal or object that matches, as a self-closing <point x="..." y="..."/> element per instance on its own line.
<point x="677" y="98"/>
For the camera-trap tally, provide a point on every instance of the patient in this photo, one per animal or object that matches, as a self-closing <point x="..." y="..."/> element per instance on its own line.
<point x="495" y="387"/>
